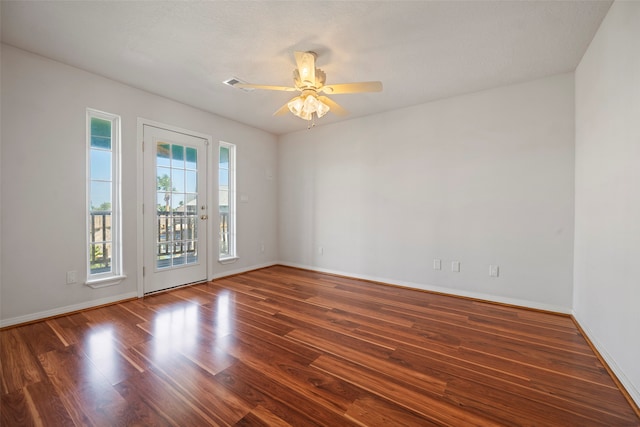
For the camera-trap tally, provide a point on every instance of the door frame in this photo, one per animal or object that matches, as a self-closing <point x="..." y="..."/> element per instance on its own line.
<point x="211" y="201"/>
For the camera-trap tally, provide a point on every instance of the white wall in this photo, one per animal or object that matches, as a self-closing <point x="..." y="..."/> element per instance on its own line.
<point x="485" y="178"/>
<point x="43" y="182"/>
<point x="607" y="224"/>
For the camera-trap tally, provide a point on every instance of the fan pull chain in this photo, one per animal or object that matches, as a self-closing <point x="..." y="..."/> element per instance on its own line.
<point x="312" y="122"/>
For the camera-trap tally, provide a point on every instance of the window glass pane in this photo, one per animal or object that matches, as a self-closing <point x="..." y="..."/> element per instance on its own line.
<point x="223" y="200"/>
<point x="100" y="142"/>
<point x="99" y="227"/>
<point x="226" y="200"/>
<point x="177" y="156"/>
<point x="100" y="195"/>
<point x="192" y="158"/>
<point x="103" y="235"/>
<point x="224" y="157"/>
<point x="100" y="133"/>
<point x="224" y="244"/>
<point x="223" y="177"/>
<point x="100" y="258"/>
<point x="163" y="156"/>
<point x="100" y="127"/>
<point x="101" y="165"/>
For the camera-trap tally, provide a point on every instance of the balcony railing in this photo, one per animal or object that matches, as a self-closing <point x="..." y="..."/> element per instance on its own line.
<point x="100" y="238"/>
<point x="176" y="232"/>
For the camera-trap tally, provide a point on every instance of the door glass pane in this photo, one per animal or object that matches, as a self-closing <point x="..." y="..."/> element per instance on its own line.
<point x="177" y="205"/>
<point x="177" y="156"/>
<point x="163" y="154"/>
<point x="192" y="158"/>
<point x="177" y="181"/>
<point x="191" y="182"/>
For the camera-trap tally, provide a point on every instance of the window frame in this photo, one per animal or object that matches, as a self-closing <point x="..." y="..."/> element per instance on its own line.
<point x="115" y="276"/>
<point x="231" y="224"/>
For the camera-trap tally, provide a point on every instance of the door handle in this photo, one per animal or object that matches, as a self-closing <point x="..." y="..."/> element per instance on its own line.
<point x="204" y="216"/>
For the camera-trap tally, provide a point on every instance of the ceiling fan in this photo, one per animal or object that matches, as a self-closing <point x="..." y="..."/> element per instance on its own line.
<point x="310" y="82"/>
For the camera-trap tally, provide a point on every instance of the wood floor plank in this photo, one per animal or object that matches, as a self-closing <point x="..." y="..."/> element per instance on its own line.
<point x="167" y="402"/>
<point x="15" y="410"/>
<point x="574" y="395"/>
<point x="294" y="372"/>
<point x="19" y="365"/>
<point x="40" y="338"/>
<point x="286" y="403"/>
<point x="86" y="394"/>
<point x="262" y="416"/>
<point x="198" y="387"/>
<point x="373" y="411"/>
<point x="281" y="346"/>
<point x="45" y="406"/>
<point x="427" y="405"/>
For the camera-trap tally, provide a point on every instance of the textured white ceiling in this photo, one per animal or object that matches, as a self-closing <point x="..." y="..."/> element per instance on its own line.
<point x="420" y="50"/>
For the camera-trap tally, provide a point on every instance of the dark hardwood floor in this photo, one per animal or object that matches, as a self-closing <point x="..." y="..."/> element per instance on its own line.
<point x="281" y="346"/>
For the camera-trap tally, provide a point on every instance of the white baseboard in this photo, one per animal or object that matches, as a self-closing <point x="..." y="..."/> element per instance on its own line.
<point x="67" y="309"/>
<point x="107" y="300"/>
<point x="620" y="375"/>
<point x="456" y="292"/>
<point x="243" y="270"/>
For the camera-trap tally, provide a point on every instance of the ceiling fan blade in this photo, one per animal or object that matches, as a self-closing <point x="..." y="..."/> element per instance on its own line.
<point x="306" y="62"/>
<point x="285" y="108"/>
<point x="352" y="88"/>
<point x="334" y="107"/>
<point x="265" y="87"/>
<point x="282" y="111"/>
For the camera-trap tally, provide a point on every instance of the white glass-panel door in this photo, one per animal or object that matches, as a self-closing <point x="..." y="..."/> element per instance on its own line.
<point x="175" y="209"/>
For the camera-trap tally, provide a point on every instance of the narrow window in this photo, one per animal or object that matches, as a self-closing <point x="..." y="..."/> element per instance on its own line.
<point x="227" y="200"/>
<point x="104" y="265"/>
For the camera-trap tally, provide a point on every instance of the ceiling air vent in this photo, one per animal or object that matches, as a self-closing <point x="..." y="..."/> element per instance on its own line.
<point x="234" y="81"/>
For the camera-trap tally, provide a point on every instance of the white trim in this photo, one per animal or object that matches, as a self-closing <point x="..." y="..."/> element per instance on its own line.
<point x="64" y="310"/>
<point x="105" y="281"/>
<point x="244" y="270"/>
<point x="139" y="204"/>
<point x="231" y="200"/>
<point x="141" y="123"/>
<point x="439" y="289"/>
<point x="619" y="373"/>
<point x="116" y="197"/>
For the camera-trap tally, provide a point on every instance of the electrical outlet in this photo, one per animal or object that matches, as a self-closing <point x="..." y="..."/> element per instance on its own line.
<point x="437" y="264"/>
<point x="455" y="266"/>
<point x="72" y="277"/>
<point x="494" y="271"/>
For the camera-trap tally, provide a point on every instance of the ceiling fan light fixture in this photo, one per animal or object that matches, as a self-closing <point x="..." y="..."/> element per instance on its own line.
<point x="295" y="105"/>
<point x="322" y="109"/>
<point x="304" y="107"/>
